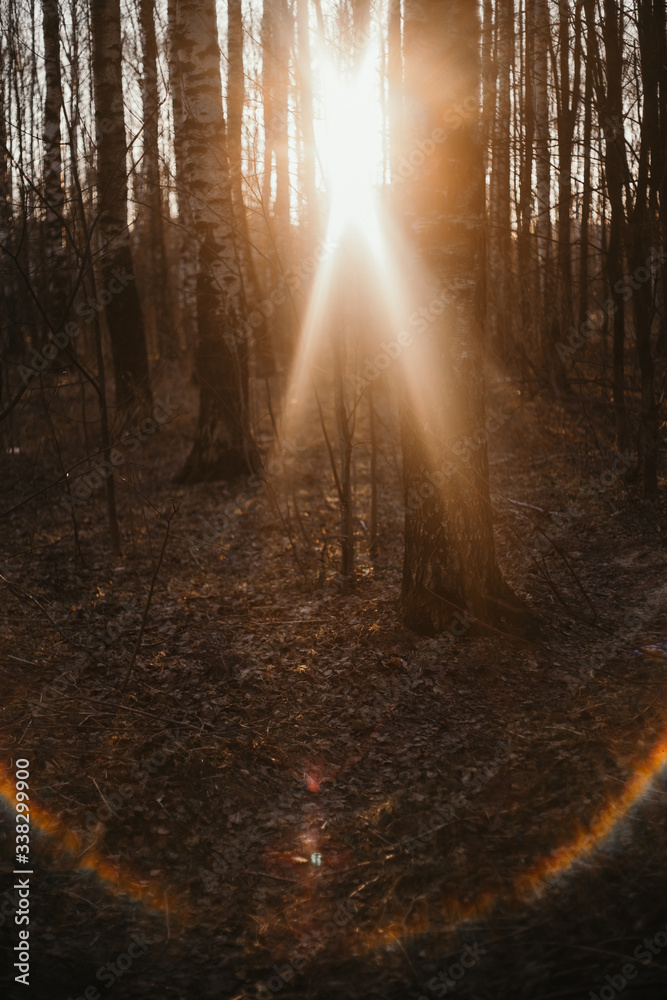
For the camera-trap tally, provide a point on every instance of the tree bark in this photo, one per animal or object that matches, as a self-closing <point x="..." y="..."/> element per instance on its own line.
<point x="282" y="42"/>
<point x="188" y="250"/>
<point x="610" y="112"/>
<point x="488" y="81"/>
<point x="524" y="241"/>
<point x="235" y="97"/>
<point x="277" y="36"/>
<point x="543" y="170"/>
<point x="159" y="284"/>
<point x="567" y="101"/>
<point x="222" y="445"/>
<point x="584" y="237"/>
<point x="500" y="238"/>
<point x="650" y="156"/>
<point x="123" y="310"/>
<point x="54" y="197"/>
<point x="307" y="131"/>
<point x="450" y="565"/>
<point x="10" y="330"/>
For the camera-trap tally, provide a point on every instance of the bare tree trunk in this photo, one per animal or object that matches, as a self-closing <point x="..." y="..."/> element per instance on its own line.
<point x="489" y="71"/>
<point x="450" y="565"/>
<point x="188" y="249"/>
<point x="307" y="131"/>
<point x="567" y="101"/>
<point x="610" y="111"/>
<point x="267" y="102"/>
<point x="345" y="429"/>
<point x="53" y="185"/>
<point x="659" y="182"/>
<point x="650" y="155"/>
<point x="373" y="528"/>
<point x="123" y="311"/>
<point x="584" y="252"/>
<point x="282" y="40"/>
<point x="543" y="168"/>
<point x="222" y="445"/>
<point x="500" y="225"/>
<point x="159" y="290"/>
<point x="235" y="97"/>
<point x="10" y="338"/>
<point x="524" y="242"/>
<point x="277" y="33"/>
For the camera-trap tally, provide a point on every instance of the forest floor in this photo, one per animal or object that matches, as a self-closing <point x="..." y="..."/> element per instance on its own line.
<point x="293" y="777"/>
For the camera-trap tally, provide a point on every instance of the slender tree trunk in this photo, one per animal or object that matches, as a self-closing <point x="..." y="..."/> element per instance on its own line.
<point x="640" y="238"/>
<point x="123" y="311"/>
<point x="282" y="40"/>
<point x="568" y="100"/>
<point x="659" y="174"/>
<point x="159" y="290"/>
<point x="267" y="102"/>
<point x="222" y="445"/>
<point x="524" y="243"/>
<point x="307" y="131"/>
<point x="500" y="238"/>
<point x="373" y="528"/>
<point x="10" y="337"/>
<point x="235" y="98"/>
<point x="584" y="252"/>
<point x="543" y="170"/>
<point x="610" y="111"/>
<point x="450" y="565"/>
<point x="54" y="198"/>
<point x="186" y="242"/>
<point x="488" y="82"/>
<point x="277" y="34"/>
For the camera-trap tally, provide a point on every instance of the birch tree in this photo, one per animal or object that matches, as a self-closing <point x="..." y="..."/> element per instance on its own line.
<point x="235" y="99"/>
<point x="222" y="444"/>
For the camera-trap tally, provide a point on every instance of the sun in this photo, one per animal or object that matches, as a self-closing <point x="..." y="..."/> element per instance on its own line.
<point x="351" y="147"/>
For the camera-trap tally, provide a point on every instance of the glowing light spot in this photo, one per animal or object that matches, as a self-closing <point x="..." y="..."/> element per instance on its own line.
<point x="313" y="782"/>
<point x="351" y="146"/>
<point x="69" y="847"/>
<point x="316" y="859"/>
